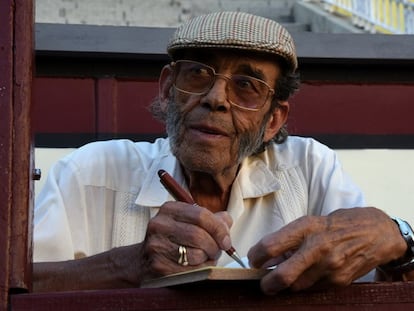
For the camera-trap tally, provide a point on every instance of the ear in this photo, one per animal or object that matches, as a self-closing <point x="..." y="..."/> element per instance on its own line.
<point x="164" y="85"/>
<point x="276" y="120"/>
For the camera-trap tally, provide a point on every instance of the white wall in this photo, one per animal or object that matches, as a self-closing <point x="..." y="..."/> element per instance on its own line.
<point x="44" y="158"/>
<point x="386" y="176"/>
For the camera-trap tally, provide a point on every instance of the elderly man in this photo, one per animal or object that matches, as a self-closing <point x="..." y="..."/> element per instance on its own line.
<point x="104" y="220"/>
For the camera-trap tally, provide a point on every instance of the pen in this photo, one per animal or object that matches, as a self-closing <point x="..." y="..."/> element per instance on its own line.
<point x="181" y="195"/>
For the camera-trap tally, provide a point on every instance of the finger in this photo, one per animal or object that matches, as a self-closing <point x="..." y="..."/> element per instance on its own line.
<point x="321" y="276"/>
<point x="163" y="227"/>
<point x="203" y="218"/>
<point x="196" y="256"/>
<point x="328" y="263"/>
<point x="159" y="265"/>
<point x="289" y="271"/>
<point x="198" y="238"/>
<point x="268" y="249"/>
<point x="274" y="261"/>
<point x="162" y="256"/>
<point x="304" y="266"/>
<point x="288" y="238"/>
<point x="195" y="237"/>
<point x="225" y="217"/>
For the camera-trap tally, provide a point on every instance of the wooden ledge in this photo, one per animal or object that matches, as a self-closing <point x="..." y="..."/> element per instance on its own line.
<point x="224" y="296"/>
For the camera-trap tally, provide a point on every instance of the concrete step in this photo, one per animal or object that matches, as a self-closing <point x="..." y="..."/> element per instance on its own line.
<point x="297" y="27"/>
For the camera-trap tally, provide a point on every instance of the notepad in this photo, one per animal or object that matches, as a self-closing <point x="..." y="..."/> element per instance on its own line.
<point x="210" y="273"/>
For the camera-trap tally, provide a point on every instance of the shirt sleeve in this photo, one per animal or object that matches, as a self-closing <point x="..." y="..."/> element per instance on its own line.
<point x="330" y="188"/>
<point x="86" y="205"/>
<point x="52" y="236"/>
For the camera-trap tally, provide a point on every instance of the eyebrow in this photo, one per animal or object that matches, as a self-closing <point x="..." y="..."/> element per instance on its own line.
<point x="247" y="69"/>
<point x="244" y="68"/>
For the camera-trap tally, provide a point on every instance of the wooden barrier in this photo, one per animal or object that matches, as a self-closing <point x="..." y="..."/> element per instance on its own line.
<point x="16" y="54"/>
<point x="225" y="296"/>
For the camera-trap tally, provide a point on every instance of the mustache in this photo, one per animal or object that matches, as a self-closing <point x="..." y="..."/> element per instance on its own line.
<point x="206" y="120"/>
<point x="250" y="142"/>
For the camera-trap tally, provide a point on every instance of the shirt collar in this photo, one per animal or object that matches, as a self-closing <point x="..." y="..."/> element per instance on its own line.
<point x="255" y="179"/>
<point x="152" y="192"/>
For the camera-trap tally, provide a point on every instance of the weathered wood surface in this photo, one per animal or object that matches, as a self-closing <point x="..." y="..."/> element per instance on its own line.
<point x="225" y="296"/>
<point x="16" y="58"/>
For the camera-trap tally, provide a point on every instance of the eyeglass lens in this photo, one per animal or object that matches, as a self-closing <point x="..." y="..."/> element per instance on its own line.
<point x="245" y="91"/>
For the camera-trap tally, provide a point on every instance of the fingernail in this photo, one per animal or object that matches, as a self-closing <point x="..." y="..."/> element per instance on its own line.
<point x="226" y="243"/>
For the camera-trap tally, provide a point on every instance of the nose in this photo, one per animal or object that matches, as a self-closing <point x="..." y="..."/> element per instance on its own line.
<point x="216" y="97"/>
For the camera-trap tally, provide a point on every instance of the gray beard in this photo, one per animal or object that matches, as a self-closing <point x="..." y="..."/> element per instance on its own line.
<point x="250" y="143"/>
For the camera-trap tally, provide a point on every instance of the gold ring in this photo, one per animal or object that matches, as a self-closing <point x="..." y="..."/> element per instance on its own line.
<point x="182" y="260"/>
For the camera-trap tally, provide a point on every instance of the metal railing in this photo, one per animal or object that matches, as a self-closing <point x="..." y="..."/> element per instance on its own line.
<point x="376" y="16"/>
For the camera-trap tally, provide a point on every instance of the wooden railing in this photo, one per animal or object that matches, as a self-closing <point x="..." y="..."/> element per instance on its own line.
<point x="225" y="296"/>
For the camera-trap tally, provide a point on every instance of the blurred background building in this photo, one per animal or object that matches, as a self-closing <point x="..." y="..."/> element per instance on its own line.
<point x="328" y="16"/>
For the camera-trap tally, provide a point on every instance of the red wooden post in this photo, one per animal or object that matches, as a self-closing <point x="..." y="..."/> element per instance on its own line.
<point x="6" y="113"/>
<point x="21" y="216"/>
<point x="16" y="58"/>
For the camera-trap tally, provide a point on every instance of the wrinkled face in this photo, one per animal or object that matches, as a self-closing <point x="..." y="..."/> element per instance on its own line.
<point x="208" y="133"/>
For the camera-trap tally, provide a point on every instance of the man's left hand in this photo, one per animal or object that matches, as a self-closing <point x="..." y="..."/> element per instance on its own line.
<point x="327" y="250"/>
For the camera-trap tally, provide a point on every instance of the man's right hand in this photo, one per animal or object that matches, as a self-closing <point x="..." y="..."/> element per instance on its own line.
<point x="203" y="234"/>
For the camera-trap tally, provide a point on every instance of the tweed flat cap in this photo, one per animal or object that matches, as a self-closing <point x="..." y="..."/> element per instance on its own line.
<point x="235" y="30"/>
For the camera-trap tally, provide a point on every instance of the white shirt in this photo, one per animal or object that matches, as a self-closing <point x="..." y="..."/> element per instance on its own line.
<point x="102" y="195"/>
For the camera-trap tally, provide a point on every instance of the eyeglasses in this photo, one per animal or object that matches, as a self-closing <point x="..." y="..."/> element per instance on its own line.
<point x="245" y="92"/>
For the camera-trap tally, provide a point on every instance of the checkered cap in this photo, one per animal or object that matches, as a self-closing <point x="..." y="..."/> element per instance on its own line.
<point x="235" y="30"/>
